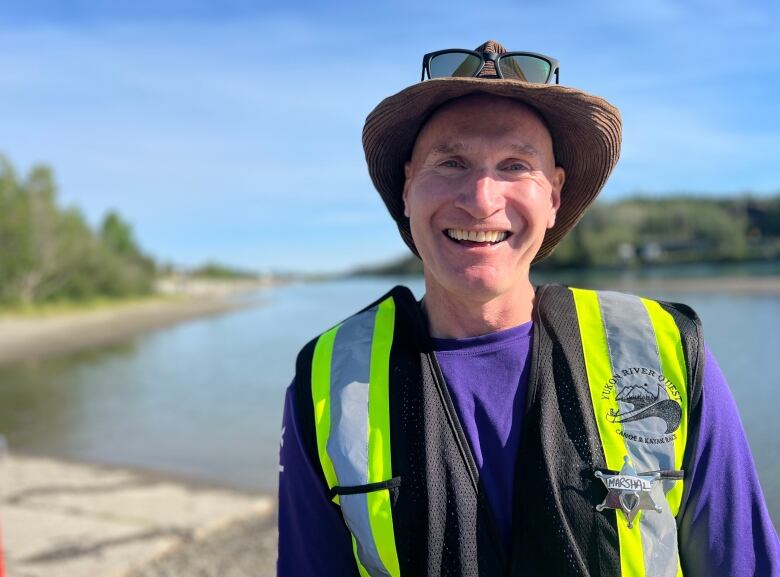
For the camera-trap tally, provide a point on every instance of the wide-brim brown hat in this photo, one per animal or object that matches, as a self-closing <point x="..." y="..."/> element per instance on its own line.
<point x="585" y="130"/>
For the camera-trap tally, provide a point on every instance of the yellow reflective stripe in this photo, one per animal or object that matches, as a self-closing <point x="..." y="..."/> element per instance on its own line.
<point x="674" y="367"/>
<point x="379" y="457"/>
<point x="361" y="569"/>
<point x="379" y="463"/>
<point x="599" y="371"/>
<point x="320" y="390"/>
<point x="600" y="376"/>
<point x="381" y="518"/>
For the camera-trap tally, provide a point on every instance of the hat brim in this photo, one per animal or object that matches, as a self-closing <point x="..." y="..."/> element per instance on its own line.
<point x="585" y="130"/>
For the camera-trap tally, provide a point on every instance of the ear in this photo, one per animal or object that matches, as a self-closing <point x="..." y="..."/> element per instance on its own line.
<point x="559" y="178"/>
<point x="407" y="183"/>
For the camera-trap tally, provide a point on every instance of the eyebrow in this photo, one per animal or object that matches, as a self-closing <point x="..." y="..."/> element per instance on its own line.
<point x="524" y="149"/>
<point x="458" y="147"/>
<point x="450" y="148"/>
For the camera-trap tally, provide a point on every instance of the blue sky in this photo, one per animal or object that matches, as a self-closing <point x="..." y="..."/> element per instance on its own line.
<point x="231" y="130"/>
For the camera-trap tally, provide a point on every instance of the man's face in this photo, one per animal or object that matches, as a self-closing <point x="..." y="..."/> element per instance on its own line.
<point x="482" y="169"/>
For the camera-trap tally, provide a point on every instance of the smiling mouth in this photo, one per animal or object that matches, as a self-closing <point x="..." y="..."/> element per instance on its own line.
<point x="473" y="237"/>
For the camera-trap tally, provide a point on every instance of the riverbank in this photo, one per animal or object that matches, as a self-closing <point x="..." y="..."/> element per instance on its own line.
<point x="37" y="336"/>
<point x="63" y="519"/>
<point x="737" y="285"/>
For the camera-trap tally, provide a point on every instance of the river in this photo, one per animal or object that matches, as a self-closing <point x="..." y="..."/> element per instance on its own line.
<point x="203" y="400"/>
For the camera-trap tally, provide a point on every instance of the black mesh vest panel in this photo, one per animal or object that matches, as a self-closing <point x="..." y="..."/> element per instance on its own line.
<point x="442" y="521"/>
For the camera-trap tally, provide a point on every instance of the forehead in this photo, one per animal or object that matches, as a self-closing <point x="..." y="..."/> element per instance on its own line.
<point x="486" y="117"/>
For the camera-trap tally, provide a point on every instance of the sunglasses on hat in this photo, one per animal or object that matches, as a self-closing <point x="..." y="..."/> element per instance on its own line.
<point x="525" y="66"/>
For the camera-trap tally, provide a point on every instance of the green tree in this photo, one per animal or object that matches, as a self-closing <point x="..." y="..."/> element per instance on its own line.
<point x="118" y="235"/>
<point x="48" y="253"/>
<point x="15" y="241"/>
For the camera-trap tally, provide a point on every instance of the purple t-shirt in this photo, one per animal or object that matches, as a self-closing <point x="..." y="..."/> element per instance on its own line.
<point x="724" y="525"/>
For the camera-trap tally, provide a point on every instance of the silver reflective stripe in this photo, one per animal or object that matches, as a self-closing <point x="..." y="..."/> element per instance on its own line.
<point x="632" y="344"/>
<point x="348" y="442"/>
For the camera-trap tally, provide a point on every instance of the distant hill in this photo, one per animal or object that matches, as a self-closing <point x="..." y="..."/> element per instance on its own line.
<point x="215" y="270"/>
<point x="642" y="231"/>
<point x="403" y="266"/>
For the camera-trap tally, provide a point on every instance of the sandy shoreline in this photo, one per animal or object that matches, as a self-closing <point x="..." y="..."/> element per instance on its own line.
<point x="24" y="337"/>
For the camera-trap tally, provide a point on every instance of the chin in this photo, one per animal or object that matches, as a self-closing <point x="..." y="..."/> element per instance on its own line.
<point x="473" y="283"/>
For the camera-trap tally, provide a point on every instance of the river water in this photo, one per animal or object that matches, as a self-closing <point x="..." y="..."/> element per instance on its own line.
<point x="203" y="400"/>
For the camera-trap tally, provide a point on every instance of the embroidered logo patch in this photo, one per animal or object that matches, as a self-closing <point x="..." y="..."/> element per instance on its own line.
<point x="642" y="394"/>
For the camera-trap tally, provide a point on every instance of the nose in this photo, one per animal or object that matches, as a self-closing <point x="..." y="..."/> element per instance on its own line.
<point x="481" y="197"/>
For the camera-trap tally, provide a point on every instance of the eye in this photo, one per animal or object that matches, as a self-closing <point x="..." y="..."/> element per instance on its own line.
<point x="516" y="165"/>
<point x="451" y="163"/>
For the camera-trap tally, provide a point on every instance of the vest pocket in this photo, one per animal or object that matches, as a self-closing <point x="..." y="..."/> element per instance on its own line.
<point x="368" y="513"/>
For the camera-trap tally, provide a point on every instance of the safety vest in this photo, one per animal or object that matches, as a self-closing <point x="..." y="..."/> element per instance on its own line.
<point x="614" y="381"/>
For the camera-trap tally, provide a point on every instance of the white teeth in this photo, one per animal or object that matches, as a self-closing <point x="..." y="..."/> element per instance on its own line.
<point x="491" y="236"/>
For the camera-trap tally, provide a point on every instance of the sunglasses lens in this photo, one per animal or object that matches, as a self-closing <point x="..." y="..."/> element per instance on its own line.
<point x="526" y="68"/>
<point x="454" y="64"/>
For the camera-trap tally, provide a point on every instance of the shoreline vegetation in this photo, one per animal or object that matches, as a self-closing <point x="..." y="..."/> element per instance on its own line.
<point x="52" y="259"/>
<point x="50" y="254"/>
<point x="643" y="233"/>
<point x="66" y="287"/>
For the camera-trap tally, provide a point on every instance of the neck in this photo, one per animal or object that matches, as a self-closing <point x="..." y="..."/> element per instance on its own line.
<point x="455" y="315"/>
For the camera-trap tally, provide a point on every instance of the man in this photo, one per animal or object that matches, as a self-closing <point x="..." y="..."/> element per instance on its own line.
<point x="496" y="428"/>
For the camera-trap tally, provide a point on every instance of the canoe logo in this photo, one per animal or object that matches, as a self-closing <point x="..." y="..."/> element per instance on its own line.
<point x="646" y="400"/>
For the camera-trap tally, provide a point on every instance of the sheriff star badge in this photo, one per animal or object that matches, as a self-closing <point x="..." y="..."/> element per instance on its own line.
<point x="629" y="491"/>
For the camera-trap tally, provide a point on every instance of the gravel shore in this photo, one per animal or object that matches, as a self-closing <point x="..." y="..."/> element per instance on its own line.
<point x="243" y="548"/>
<point x="65" y="519"/>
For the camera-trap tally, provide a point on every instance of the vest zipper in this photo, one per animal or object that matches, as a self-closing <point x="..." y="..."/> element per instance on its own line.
<point x="533" y="378"/>
<point x="483" y="505"/>
<point x="452" y="418"/>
